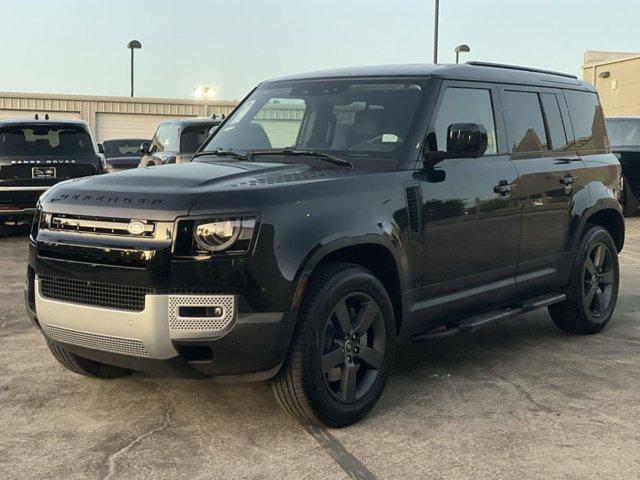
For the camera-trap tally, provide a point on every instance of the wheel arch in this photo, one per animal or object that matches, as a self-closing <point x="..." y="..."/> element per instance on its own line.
<point x="609" y="216"/>
<point x="371" y="252"/>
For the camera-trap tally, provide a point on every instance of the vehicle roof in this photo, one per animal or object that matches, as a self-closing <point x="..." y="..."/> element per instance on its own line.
<point x="474" y="71"/>
<point x="193" y="121"/>
<point x="52" y="121"/>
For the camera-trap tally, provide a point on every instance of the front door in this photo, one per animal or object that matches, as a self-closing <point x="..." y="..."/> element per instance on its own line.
<point x="471" y="211"/>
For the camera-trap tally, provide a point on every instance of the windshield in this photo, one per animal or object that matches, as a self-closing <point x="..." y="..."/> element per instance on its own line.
<point x="194" y="136"/>
<point x="624" y="134"/>
<point x="350" y="119"/>
<point x="123" y="148"/>
<point x="166" y="137"/>
<point x="51" y="140"/>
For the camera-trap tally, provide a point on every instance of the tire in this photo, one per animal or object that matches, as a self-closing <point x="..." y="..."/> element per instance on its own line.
<point x="630" y="202"/>
<point x="592" y="291"/>
<point x="330" y="378"/>
<point x="84" y="366"/>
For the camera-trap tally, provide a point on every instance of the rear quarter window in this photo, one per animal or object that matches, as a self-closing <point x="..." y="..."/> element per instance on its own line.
<point x="587" y="119"/>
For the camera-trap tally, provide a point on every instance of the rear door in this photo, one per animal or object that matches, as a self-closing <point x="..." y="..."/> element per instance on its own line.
<point x="472" y="215"/>
<point x="551" y="180"/>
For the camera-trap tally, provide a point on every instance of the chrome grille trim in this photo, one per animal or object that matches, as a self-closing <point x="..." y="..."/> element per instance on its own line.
<point x="95" y="341"/>
<point x="105" y="295"/>
<point x="202" y="325"/>
<point x="96" y="225"/>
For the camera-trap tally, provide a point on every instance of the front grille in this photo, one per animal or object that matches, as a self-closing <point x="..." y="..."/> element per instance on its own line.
<point x="105" y="343"/>
<point x="99" y="225"/>
<point x="106" y="295"/>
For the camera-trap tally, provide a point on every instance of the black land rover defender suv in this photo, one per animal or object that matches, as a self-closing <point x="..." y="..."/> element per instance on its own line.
<point x="624" y="135"/>
<point x="177" y="140"/>
<point x="37" y="153"/>
<point x="330" y="217"/>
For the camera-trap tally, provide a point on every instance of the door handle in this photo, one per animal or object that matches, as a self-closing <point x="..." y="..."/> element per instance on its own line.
<point x="568" y="180"/>
<point x="503" y="188"/>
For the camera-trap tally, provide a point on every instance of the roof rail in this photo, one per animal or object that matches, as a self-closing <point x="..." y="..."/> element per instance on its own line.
<point x="525" y="69"/>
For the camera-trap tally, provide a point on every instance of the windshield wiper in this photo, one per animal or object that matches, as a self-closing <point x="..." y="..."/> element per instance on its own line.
<point x="294" y="152"/>
<point x="221" y="153"/>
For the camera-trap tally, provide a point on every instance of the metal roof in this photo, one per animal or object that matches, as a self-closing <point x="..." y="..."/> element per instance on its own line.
<point x="475" y="71"/>
<point x="192" y="121"/>
<point x="42" y="121"/>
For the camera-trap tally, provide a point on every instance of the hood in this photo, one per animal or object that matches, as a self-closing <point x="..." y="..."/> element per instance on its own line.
<point x="168" y="191"/>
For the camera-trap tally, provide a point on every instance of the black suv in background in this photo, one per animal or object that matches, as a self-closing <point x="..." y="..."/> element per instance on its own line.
<point x="330" y="218"/>
<point x="123" y="153"/>
<point x="36" y="153"/>
<point x="177" y="140"/>
<point x="624" y="135"/>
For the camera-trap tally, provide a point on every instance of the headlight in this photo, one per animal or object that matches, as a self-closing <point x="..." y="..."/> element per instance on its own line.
<point x="217" y="236"/>
<point x="224" y="235"/>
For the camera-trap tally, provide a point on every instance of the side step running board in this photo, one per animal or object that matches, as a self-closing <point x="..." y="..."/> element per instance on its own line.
<point x="471" y="323"/>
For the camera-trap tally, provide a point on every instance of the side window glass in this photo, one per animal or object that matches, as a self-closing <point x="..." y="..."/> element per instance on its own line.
<point x="524" y="120"/>
<point x="555" y="127"/>
<point x="465" y="105"/>
<point x="587" y="119"/>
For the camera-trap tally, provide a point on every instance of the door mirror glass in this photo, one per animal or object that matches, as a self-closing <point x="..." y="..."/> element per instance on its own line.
<point x="100" y="148"/>
<point x="466" y="140"/>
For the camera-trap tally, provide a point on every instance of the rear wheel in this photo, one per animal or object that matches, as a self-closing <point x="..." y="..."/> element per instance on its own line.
<point x="342" y="348"/>
<point x="84" y="366"/>
<point x="593" y="286"/>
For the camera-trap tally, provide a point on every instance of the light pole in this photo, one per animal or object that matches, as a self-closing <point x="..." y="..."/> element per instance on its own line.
<point x="461" y="48"/>
<point x="435" y="31"/>
<point x="133" y="45"/>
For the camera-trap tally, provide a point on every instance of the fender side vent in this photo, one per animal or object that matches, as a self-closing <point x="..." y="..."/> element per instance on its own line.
<point x="414" y="203"/>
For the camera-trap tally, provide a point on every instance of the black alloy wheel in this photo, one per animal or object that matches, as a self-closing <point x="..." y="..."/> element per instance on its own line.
<point x="353" y="347"/>
<point x="599" y="277"/>
<point x="592" y="290"/>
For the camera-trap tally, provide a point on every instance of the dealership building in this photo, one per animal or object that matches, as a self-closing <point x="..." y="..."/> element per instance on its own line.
<point x="616" y="76"/>
<point x="110" y="117"/>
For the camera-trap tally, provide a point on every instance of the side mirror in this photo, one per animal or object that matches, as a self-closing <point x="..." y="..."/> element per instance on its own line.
<point x="145" y="149"/>
<point x="467" y="140"/>
<point x="464" y="140"/>
<point x="100" y="148"/>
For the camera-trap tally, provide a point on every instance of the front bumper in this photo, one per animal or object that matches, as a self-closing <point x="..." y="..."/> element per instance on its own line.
<point x="157" y="339"/>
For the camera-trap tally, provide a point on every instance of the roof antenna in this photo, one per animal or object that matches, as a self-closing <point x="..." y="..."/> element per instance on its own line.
<point x="46" y="116"/>
<point x="36" y="117"/>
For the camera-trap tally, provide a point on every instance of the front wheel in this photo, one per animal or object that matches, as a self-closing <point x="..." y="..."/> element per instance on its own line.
<point x="342" y="348"/>
<point x="593" y="286"/>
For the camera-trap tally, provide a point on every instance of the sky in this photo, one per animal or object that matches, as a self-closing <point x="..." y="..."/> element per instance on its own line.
<point x="79" y="46"/>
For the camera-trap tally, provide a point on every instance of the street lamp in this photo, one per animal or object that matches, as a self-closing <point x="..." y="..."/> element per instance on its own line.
<point x="435" y="31"/>
<point x="461" y="48"/>
<point x="207" y="92"/>
<point x="133" y="45"/>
